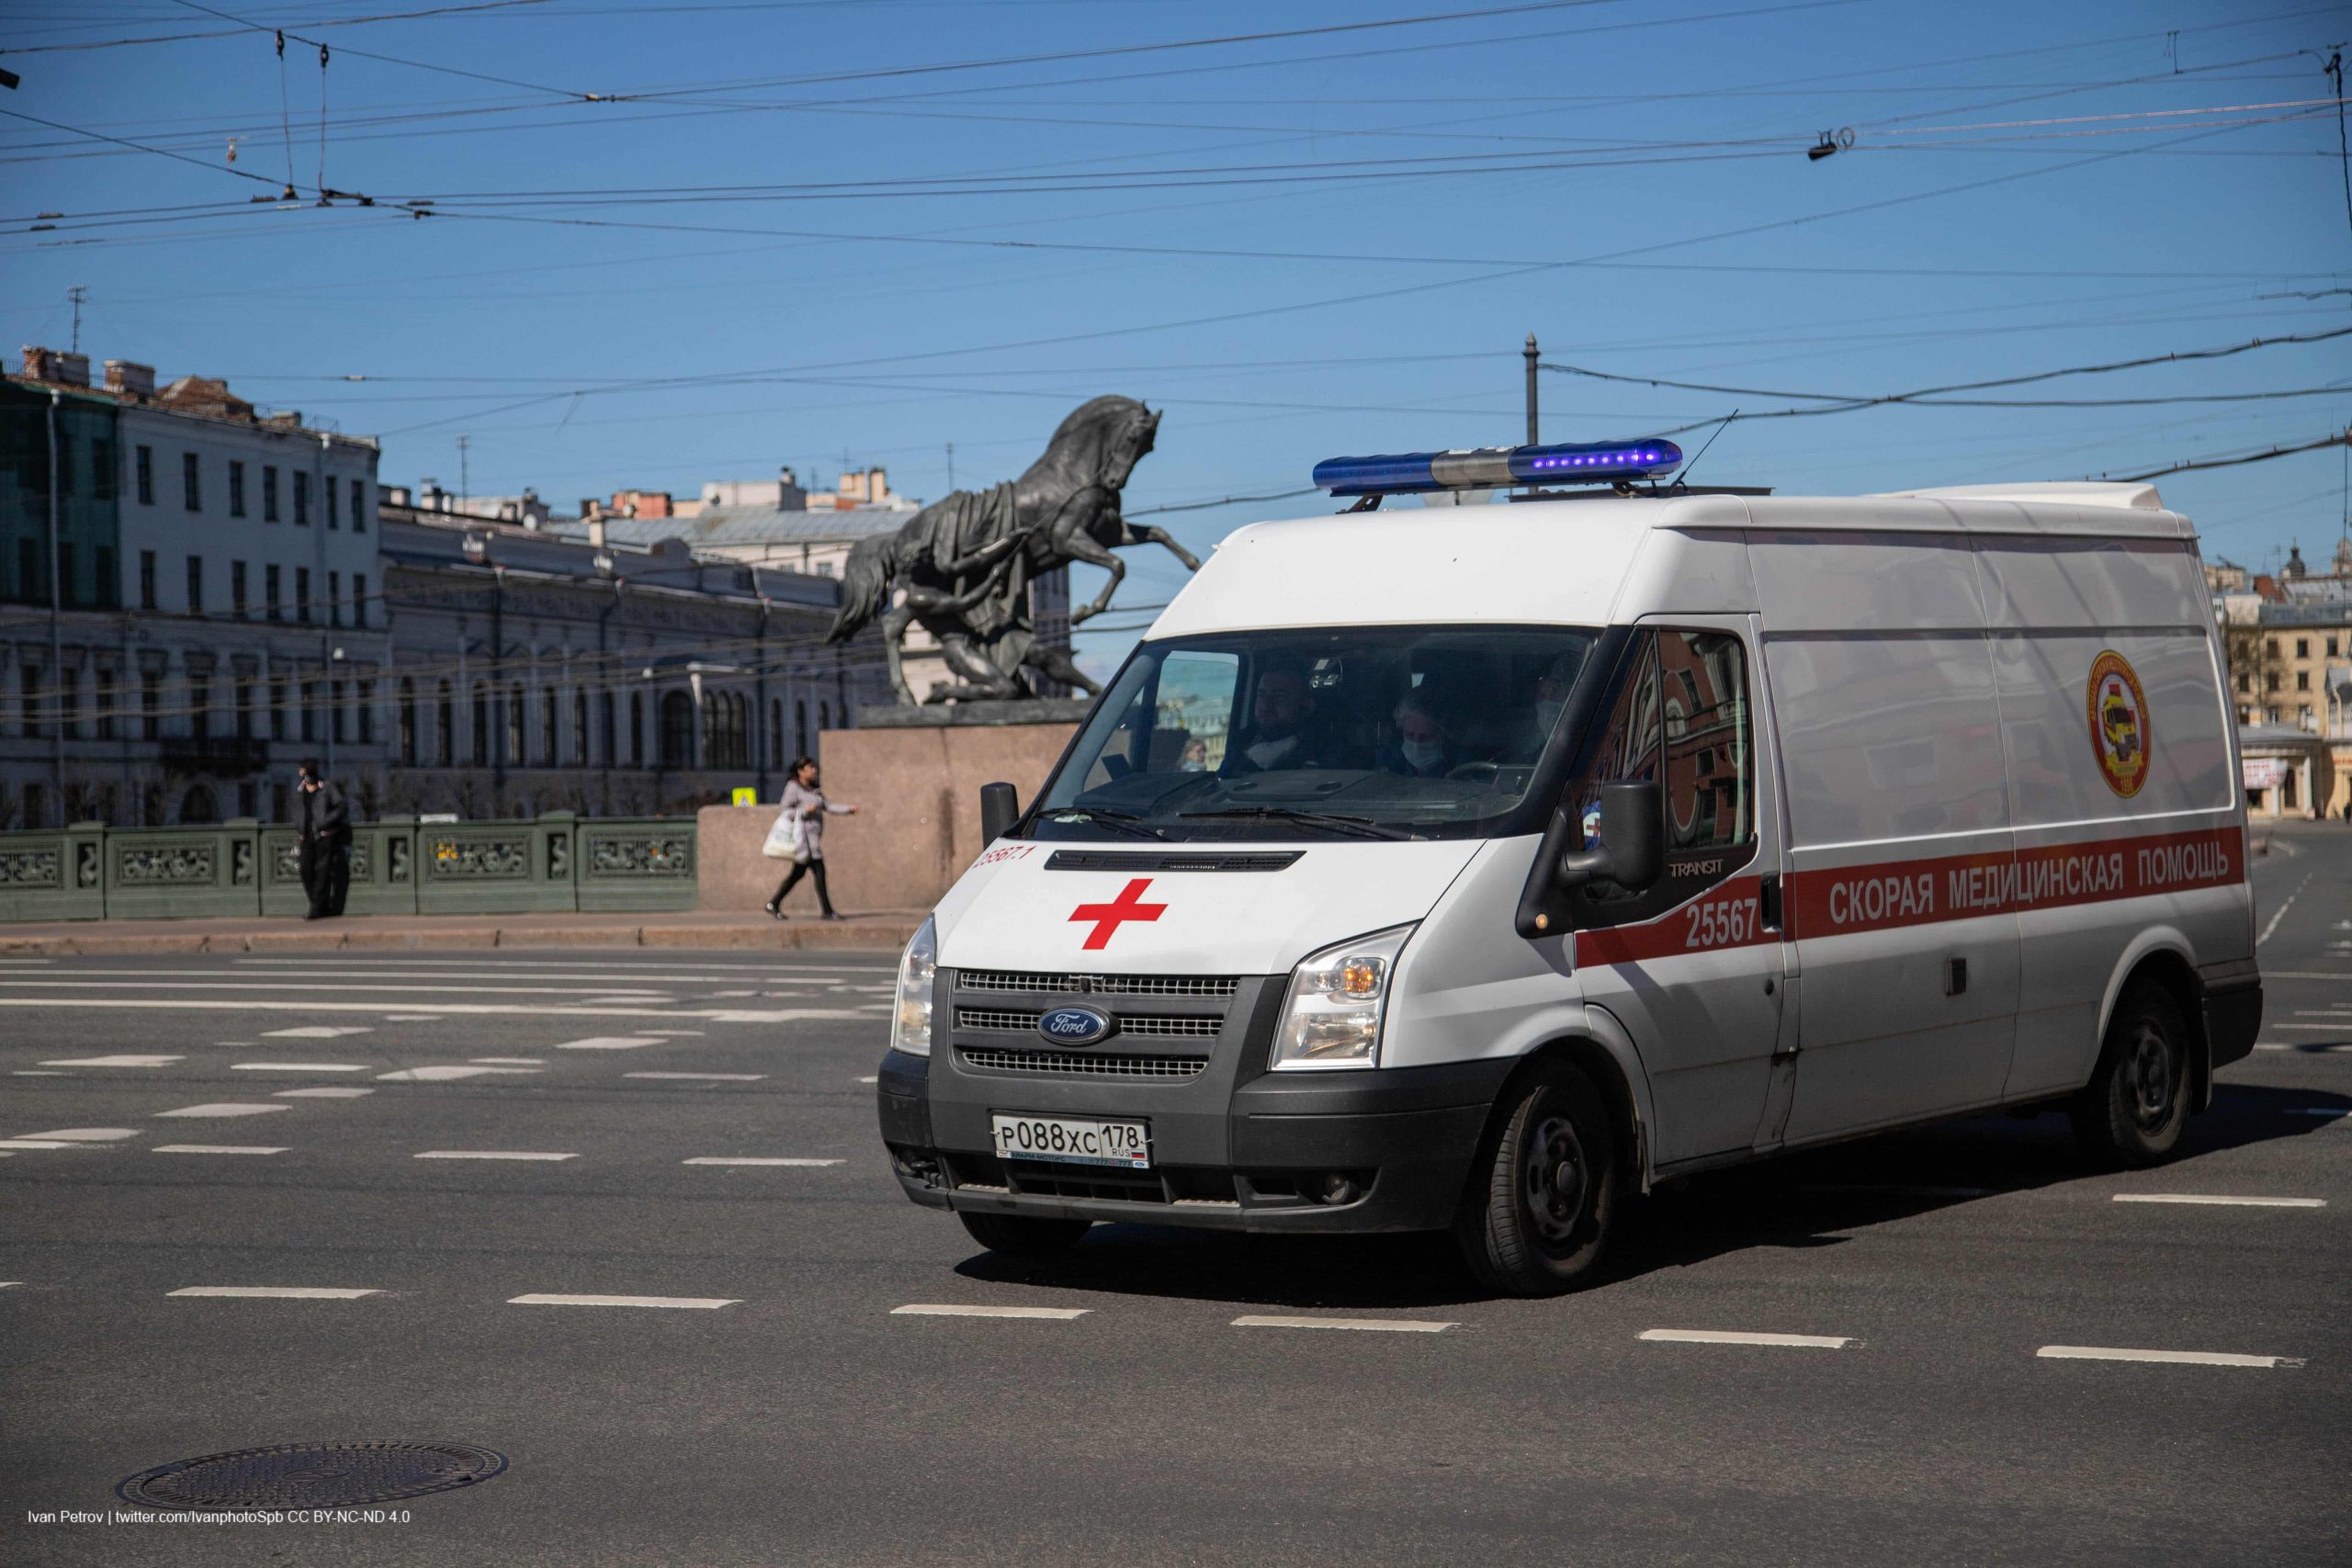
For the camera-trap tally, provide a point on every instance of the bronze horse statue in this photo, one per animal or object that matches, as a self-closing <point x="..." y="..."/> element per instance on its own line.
<point x="965" y="563"/>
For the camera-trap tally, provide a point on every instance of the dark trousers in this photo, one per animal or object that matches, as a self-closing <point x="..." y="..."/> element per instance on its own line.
<point x="327" y="875"/>
<point x="792" y="880"/>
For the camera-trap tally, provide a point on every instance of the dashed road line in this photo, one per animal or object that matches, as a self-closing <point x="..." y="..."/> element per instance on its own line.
<point x="609" y="1042"/>
<point x="11" y="1145"/>
<point x="2179" y="1358"/>
<point x="38" y="1073"/>
<point x="122" y="1061"/>
<point x="300" y="1067"/>
<point x="702" y="1077"/>
<point x="317" y="1032"/>
<point x="508" y="1061"/>
<point x="675" y="1033"/>
<point x="1359" y="1325"/>
<point x="954" y="1309"/>
<point x="224" y="1108"/>
<point x="2223" y="1202"/>
<point x="320" y="1093"/>
<point x="213" y="1149"/>
<point x="1722" y="1337"/>
<point x="870" y="1080"/>
<point x="411" y="1018"/>
<point x="755" y="1160"/>
<point x="449" y="1073"/>
<point x="88" y="1134"/>
<point x="490" y="1154"/>
<point x="2281" y="913"/>
<point x="705" y="1303"/>
<point x="276" y="1293"/>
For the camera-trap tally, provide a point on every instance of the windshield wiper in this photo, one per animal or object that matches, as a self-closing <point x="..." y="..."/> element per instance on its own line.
<point x="1124" y="821"/>
<point x="1363" y="827"/>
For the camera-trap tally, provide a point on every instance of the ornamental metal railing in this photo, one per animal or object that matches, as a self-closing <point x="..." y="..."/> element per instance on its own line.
<point x="399" y="866"/>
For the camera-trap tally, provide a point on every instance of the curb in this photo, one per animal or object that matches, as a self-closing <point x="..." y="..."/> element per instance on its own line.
<point x="884" y="936"/>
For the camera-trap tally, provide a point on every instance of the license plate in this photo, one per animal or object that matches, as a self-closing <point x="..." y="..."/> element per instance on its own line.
<point x="1067" y="1140"/>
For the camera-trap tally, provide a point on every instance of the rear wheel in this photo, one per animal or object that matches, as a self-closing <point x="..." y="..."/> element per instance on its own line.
<point x="2133" y="1110"/>
<point x="1024" y="1235"/>
<point x="1543" y="1197"/>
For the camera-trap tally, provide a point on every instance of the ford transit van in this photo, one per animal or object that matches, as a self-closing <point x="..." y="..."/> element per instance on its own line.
<point x="1475" y="868"/>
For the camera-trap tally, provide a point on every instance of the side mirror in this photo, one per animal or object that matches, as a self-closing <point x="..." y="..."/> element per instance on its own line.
<point x="1632" y="852"/>
<point x="1000" y="809"/>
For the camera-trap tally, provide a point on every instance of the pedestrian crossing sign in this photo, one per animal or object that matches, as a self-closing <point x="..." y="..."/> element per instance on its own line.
<point x="747" y="798"/>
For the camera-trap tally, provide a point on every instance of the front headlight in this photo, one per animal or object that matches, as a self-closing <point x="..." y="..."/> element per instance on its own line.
<point x="910" y="1022"/>
<point x="1338" y="997"/>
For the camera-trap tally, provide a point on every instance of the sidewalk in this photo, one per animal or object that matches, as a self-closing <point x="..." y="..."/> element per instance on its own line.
<point x="686" y="929"/>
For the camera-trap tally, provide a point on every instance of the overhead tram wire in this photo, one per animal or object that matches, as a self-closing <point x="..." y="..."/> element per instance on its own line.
<point x="2341" y="438"/>
<point x="242" y="29"/>
<point x="570" y="93"/>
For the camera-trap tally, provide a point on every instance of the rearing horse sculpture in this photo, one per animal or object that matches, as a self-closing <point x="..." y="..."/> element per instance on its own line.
<point x="965" y="563"/>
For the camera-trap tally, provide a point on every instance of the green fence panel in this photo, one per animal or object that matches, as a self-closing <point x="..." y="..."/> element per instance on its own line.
<point x="494" y="868"/>
<point x="53" y="876"/>
<point x="383" y="870"/>
<point x="636" y="864"/>
<point x="176" y="873"/>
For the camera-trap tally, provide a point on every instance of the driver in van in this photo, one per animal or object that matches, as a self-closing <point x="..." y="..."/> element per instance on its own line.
<point x="1425" y="745"/>
<point x="1279" y="712"/>
<point x="1552" y="689"/>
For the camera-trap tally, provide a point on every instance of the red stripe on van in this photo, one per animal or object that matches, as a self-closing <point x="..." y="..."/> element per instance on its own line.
<point x="1889" y="894"/>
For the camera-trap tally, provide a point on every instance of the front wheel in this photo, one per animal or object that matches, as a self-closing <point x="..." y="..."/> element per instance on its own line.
<point x="1024" y="1235"/>
<point x="1544" y="1195"/>
<point x="2137" y="1101"/>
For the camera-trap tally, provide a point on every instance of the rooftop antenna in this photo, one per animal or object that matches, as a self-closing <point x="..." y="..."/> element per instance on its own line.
<point x="78" y="293"/>
<point x="1684" y="477"/>
<point x="465" y="471"/>
<point x="1534" y="439"/>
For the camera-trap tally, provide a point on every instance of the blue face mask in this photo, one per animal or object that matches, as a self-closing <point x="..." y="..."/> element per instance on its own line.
<point x="1422" y="754"/>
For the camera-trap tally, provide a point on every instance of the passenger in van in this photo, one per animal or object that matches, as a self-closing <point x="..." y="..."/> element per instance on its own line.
<point x="1550" y="700"/>
<point x="1425" y="745"/>
<point x="1279" y="712"/>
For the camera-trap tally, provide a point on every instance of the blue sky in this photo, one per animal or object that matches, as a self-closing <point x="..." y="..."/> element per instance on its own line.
<point x="791" y="240"/>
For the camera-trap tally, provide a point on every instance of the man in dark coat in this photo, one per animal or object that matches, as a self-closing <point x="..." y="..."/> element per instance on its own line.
<point x="323" y="830"/>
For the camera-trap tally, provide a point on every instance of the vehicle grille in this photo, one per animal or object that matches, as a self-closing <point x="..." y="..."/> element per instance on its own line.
<point x="1098" y="985"/>
<point x="988" y="1021"/>
<point x="1065" y="1064"/>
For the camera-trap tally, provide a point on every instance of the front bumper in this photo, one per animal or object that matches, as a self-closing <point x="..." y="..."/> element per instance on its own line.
<point x="1237" y="1150"/>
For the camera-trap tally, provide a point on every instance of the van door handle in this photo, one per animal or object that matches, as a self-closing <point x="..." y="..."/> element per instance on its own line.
<point x="1769" y="902"/>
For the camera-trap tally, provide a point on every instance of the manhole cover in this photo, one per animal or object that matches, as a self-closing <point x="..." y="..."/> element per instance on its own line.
<point x="313" y="1475"/>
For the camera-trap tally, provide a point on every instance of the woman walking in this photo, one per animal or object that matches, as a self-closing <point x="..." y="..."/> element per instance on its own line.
<point x="806" y="805"/>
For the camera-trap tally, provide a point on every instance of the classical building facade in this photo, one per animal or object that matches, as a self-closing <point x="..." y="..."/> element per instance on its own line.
<point x="2290" y="642"/>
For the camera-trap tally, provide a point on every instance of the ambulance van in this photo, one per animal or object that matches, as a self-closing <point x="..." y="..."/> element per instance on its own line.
<point x="1476" y="867"/>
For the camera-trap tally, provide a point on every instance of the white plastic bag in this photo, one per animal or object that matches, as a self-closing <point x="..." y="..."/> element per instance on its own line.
<point x="783" y="841"/>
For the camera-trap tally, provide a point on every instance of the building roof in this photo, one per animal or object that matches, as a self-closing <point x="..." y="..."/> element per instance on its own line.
<point x="438" y="540"/>
<point x="717" y="525"/>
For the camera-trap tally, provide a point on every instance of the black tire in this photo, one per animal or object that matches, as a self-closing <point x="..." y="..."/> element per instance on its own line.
<point x="1024" y="1235"/>
<point x="1544" y="1196"/>
<point x="2133" y="1110"/>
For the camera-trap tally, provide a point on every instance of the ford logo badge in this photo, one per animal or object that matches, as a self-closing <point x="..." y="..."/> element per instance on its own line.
<point x="1073" y="1026"/>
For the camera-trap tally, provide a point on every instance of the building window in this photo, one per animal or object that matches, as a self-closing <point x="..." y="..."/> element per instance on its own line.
<point x="199" y="708"/>
<point x="334" y="518"/>
<point x="2302" y="647"/>
<point x="102" y="478"/>
<point x="191" y="492"/>
<point x="245" y="711"/>
<point x="360" y="506"/>
<point x="637" y="730"/>
<point x="237" y="589"/>
<point x="334" y="711"/>
<point x="269" y="493"/>
<point x="106" y="704"/>
<point x="605" y="726"/>
<point x="310" y="710"/>
<point x="2303" y="681"/>
<point x="110" y="589"/>
<point x="2272" y="645"/>
<point x="2245" y="681"/>
<point x="515" y="756"/>
<point x="150" y="705"/>
<point x="482" y="726"/>
<point x="334" y="598"/>
<point x="775" y="732"/>
<point x="406" y="736"/>
<point x="548" y="754"/>
<point x="366" y="713"/>
<point x="2270" y="681"/>
<point x="143" y="465"/>
<point x="800" y="727"/>
<point x="29" y="686"/>
<point x="302" y="594"/>
<point x="2303" y="716"/>
<point x="146" y="580"/>
<point x="195" y="585"/>
<point x="359" y="599"/>
<point x="277" y="710"/>
<point x="236" y="490"/>
<point x="69" y="702"/>
<point x="270" y="583"/>
<point x="2331" y="647"/>
<point x="445" y="728"/>
<point x="580" y="729"/>
<point x="677" y="731"/>
<point x="301" y="500"/>
<point x="69" y="586"/>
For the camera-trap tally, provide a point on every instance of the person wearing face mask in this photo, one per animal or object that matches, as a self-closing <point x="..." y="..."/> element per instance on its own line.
<point x="1279" y="713"/>
<point x="1425" y="746"/>
<point x="1552" y="690"/>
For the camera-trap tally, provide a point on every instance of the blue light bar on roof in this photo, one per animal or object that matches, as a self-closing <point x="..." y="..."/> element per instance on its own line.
<point x="1495" y="467"/>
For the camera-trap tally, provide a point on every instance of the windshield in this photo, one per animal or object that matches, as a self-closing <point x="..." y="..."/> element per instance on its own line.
<point x="1354" y="732"/>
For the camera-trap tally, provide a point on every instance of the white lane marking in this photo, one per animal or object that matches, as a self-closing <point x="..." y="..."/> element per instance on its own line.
<point x="2182" y="1358"/>
<point x="703" y="1077"/>
<point x="1367" y="1324"/>
<point x="731" y="996"/>
<point x="626" y="997"/>
<point x="950" y="1309"/>
<point x="317" y="1032"/>
<point x="9" y="1284"/>
<point x="509" y="1061"/>
<point x="87" y="1134"/>
<point x="2271" y="845"/>
<point x="468" y="1010"/>
<point x="115" y="1062"/>
<point x="300" y="1067"/>
<point x="1720" y="1337"/>
<point x="276" y="1293"/>
<point x="714" y="969"/>
<point x="37" y="1073"/>
<point x="320" y="1093"/>
<point x="129" y="981"/>
<point x="2233" y="1202"/>
<point x="41" y="1144"/>
<point x="224" y="1108"/>
<point x="752" y="1159"/>
<point x="782" y="1015"/>
<point x="609" y="1042"/>
<point x="675" y="1033"/>
<point x="869" y="1080"/>
<point x="489" y="1153"/>
<point x="411" y="1018"/>
<point x="2282" y="913"/>
<point x="701" y="1301"/>
<point x="213" y="1149"/>
<point x="450" y="1074"/>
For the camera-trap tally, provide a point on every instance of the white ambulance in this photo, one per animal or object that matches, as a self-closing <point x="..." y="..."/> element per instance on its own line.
<point x="1475" y="867"/>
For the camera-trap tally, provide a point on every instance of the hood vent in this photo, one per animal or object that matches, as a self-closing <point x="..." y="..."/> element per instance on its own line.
<point x="1148" y="860"/>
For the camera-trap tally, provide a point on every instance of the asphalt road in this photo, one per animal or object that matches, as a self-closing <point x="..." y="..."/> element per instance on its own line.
<point x="808" y="1421"/>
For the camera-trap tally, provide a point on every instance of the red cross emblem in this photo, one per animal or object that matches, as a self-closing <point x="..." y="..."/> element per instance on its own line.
<point x="1107" y="917"/>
